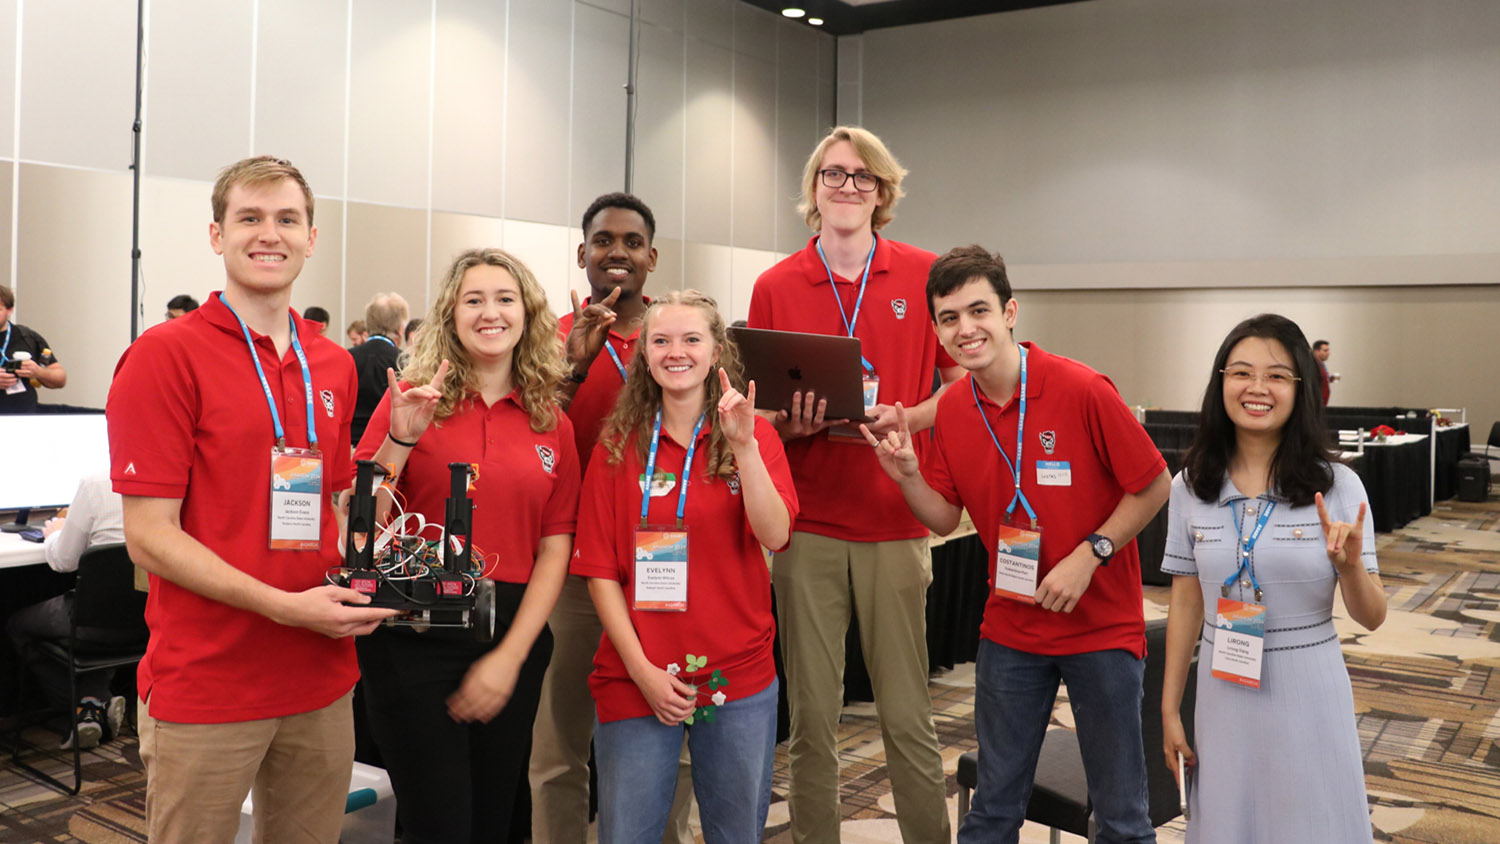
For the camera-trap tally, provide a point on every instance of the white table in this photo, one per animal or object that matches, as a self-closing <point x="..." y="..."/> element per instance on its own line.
<point x="15" y="551"/>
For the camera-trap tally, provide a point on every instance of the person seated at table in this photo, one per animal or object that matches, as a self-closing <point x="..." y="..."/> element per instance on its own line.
<point x="1265" y="523"/>
<point x="95" y="518"/>
<point x="683" y="489"/>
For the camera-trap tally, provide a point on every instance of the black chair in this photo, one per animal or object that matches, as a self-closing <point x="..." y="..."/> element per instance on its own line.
<point x="1060" y="794"/>
<point x="108" y="631"/>
<point x="1491" y="448"/>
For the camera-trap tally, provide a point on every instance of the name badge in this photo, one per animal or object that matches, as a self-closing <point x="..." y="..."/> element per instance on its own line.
<point x="18" y="387"/>
<point x="1018" y="552"/>
<point x="1238" y="641"/>
<point x="296" y="499"/>
<point x="872" y="392"/>
<point x="1054" y="473"/>
<point x="661" y="570"/>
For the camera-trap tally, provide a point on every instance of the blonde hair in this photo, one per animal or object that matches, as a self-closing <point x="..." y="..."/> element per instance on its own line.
<point x="386" y="315"/>
<point x="260" y="171"/>
<point x="536" y="362"/>
<point x="878" y="160"/>
<point x="635" y="409"/>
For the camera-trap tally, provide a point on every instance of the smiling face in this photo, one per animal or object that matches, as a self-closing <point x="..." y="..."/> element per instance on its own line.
<point x="845" y="209"/>
<point x="1260" y="385"/>
<point x="972" y="325"/>
<point x="265" y="237"/>
<point x="680" y="350"/>
<point x="489" y="316"/>
<point x="617" y="252"/>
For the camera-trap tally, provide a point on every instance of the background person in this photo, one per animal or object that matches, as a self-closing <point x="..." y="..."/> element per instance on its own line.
<point x="732" y="494"/>
<point x="26" y="361"/>
<point x="180" y="305"/>
<point x="451" y="716"/>
<point x="1263" y="514"/>
<point x="1321" y="351"/>
<point x="386" y="318"/>
<point x="356" y="333"/>
<point x="319" y="316"/>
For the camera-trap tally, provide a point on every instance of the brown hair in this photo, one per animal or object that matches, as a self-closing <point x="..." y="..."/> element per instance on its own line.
<point x="259" y="171"/>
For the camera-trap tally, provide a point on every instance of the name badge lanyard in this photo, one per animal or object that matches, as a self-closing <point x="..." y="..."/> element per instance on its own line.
<point x="687" y="469"/>
<point x="1015" y="468"/>
<point x="849" y="321"/>
<point x="5" y="349"/>
<point x="312" y="432"/>
<point x="382" y="338"/>
<point x="1246" y="545"/>
<point x="615" y="356"/>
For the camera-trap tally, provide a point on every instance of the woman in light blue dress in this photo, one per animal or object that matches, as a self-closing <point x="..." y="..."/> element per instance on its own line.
<point x="1264" y="516"/>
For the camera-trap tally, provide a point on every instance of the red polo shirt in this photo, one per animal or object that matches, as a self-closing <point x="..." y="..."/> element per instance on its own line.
<point x="188" y="419"/>
<point x="728" y="618"/>
<point x="595" y="397"/>
<point x="1079" y="412"/>
<point x="527" y="486"/>
<point x="896" y="336"/>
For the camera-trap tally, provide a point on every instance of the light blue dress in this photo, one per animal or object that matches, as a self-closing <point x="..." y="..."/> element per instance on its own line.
<point x="1281" y="763"/>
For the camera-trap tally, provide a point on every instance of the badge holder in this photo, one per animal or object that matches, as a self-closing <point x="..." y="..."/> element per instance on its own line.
<point x="296" y="499"/>
<point x="450" y="596"/>
<point x="660" y="572"/>
<point x="1239" y="641"/>
<point x="870" y="385"/>
<point x="1018" y="554"/>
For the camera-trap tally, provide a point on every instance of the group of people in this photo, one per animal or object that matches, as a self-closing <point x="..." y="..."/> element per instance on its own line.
<point x="624" y="485"/>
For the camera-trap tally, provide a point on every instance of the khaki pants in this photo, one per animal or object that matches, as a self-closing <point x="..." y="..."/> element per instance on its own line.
<point x="197" y="776"/>
<point x="565" y="726"/>
<point x="818" y="580"/>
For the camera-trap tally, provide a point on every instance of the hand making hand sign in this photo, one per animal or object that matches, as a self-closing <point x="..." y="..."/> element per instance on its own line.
<point x="590" y="329"/>
<point x="1345" y="541"/>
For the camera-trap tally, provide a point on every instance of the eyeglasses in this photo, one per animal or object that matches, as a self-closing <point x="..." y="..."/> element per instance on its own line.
<point x="1244" y="377"/>
<point x="863" y="182"/>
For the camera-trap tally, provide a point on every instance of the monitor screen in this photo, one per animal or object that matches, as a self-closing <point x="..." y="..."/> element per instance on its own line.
<point x="45" y="455"/>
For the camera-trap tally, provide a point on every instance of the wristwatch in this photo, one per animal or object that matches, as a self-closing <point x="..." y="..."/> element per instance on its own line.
<point x="1104" y="547"/>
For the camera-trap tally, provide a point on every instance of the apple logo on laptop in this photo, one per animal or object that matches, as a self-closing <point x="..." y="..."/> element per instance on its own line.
<point x="795" y="373"/>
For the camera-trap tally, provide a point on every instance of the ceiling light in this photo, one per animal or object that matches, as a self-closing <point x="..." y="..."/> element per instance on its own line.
<point x="815" y="21"/>
<point x="793" y="12"/>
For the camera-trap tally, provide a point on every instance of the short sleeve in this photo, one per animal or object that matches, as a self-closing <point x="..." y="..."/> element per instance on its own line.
<point x="773" y="455"/>
<point x="1119" y="439"/>
<point x="596" y="544"/>
<point x="560" y="515"/>
<point x="151" y="414"/>
<point x="935" y="468"/>
<point x="45" y="356"/>
<point x="1178" y="557"/>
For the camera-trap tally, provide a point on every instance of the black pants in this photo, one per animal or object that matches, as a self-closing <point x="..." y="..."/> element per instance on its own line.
<point x="52" y="619"/>
<point x="454" y="782"/>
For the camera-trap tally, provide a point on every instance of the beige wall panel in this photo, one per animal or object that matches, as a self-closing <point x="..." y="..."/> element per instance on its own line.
<point x="712" y="21"/>
<point x="78" y="83"/>
<point x="1363" y="271"/>
<point x="299" y="88"/>
<point x="536" y="133"/>
<point x="321" y="281"/>
<point x="755" y="190"/>
<point x="79" y="299"/>
<point x="388" y="108"/>
<point x="709" y="267"/>
<point x="544" y="248"/>
<point x="797" y="48"/>
<point x="199" y="54"/>
<point x="746" y="267"/>
<point x="175" y="253"/>
<point x="451" y="235"/>
<point x="658" y="127"/>
<point x="670" y="267"/>
<point x="666" y="14"/>
<point x="600" y="69"/>
<point x="618" y="7"/>
<point x="469" y="114"/>
<point x="798" y="131"/>
<point x="709" y="153"/>
<point x="7" y="78"/>
<point x="5" y="223"/>
<point x="387" y="251"/>
<point x="755" y="31"/>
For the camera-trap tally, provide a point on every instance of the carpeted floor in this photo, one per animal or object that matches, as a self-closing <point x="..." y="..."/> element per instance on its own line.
<point x="1426" y="690"/>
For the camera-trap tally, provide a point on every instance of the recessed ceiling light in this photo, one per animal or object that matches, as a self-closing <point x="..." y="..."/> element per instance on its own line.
<point x="815" y="21"/>
<point x="793" y="12"/>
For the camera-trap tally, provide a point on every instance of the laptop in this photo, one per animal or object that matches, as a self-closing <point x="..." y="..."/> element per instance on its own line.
<point x="785" y="362"/>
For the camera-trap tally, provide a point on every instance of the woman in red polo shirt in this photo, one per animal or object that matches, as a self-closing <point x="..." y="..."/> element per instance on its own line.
<point x="451" y="716"/>
<point x="684" y="488"/>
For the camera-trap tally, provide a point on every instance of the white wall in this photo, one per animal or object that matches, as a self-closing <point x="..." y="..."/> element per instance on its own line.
<point x="424" y="127"/>
<point x="1164" y="168"/>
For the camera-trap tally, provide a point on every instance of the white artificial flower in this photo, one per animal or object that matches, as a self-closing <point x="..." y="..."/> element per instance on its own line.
<point x="719" y="698"/>
<point x="674" y="669"/>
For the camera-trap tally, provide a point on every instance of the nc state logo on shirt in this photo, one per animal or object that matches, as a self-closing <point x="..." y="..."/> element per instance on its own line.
<point x="327" y="402"/>
<point x="548" y="458"/>
<point x="898" y="306"/>
<point x="1049" y="441"/>
<point x="734" y="484"/>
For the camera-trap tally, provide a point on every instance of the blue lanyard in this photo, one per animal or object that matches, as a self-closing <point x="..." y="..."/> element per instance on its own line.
<point x="312" y="431"/>
<point x="614" y="356"/>
<point x="1015" y="468"/>
<point x="5" y="349"/>
<point x="1246" y="545"/>
<point x="859" y="300"/>
<point x="687" y="468"/>
<point x="382" y="338"/>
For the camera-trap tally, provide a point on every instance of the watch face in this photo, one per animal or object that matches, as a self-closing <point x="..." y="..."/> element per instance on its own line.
<point x="1104" y="547"/>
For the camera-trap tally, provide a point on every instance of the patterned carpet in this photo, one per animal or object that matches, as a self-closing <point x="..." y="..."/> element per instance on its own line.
<point x="1426" y="690"/>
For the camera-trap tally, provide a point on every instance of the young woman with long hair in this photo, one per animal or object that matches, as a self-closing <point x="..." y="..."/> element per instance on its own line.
<point x="683" y="489"/>
<point x="1265" y="523"/>
<point x="452" y="716"/>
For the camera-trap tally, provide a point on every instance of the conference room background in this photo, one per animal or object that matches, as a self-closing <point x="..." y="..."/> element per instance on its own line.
<point x="1153" y="170"/>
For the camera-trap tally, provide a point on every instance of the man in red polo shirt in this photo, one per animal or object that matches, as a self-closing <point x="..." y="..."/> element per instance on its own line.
<point x="865" y="552"/>
<point x="599" y="339"/>
<point x="1033" y="443"/>
<point x="229" y="430"/>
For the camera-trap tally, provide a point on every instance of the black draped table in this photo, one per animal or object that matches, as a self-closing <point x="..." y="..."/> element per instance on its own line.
<point x="1452" y="444"/>
<point x="1396" y="474"/>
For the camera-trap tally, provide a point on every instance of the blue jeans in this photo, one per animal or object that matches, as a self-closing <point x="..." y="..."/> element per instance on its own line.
<point x="1013" y="696"/>
<point x="637" y="760"/>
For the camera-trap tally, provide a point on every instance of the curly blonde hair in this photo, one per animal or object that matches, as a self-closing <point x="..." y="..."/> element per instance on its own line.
<point x="635" y="410"/>
<point x="537" y="366"/>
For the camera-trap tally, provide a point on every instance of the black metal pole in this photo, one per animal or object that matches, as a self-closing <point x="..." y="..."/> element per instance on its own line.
<point x="135" y="174"/>
<point x="630" y="104"/>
